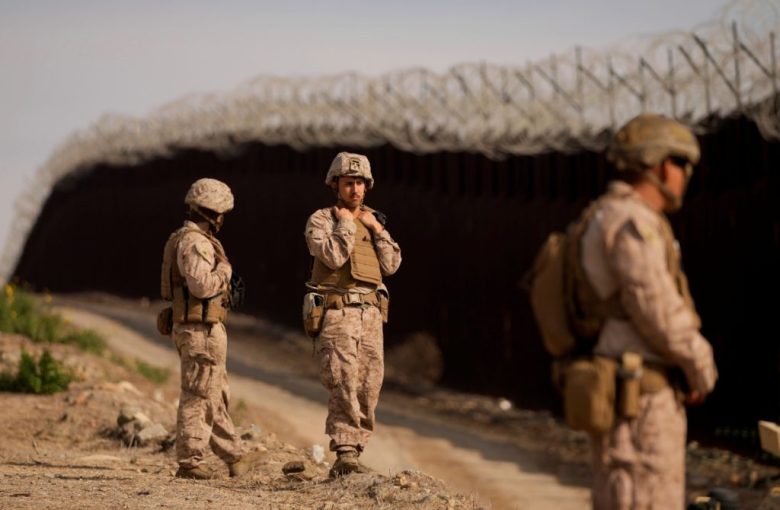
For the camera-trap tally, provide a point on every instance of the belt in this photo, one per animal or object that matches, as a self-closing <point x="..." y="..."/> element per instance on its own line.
<point x="339" y="301"/>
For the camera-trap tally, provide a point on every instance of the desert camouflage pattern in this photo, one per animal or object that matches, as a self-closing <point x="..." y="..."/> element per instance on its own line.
<point x="332" y="242"/>
<point x="623" y="250"/>
<point x="203" y="418"/>
<point x="640" y="463"/>
<point x="352" y="165"/>
<point x="211" y="194"/>
<point x="351" y="344"/>
<point x="351" y="356"/>
<point x="205" y="275"/>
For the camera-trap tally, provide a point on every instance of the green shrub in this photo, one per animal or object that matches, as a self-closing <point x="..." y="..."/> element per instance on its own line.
<point x="42" y="377"/>
<point x="152" y="373"/>
<point x="19" y="313"/>
<point x="86" y="340"/>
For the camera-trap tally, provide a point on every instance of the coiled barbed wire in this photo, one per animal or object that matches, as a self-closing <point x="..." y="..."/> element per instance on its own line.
<point x="563" y="103"/>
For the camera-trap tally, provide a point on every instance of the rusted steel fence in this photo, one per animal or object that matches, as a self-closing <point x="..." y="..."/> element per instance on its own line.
<point x="469" y="227"/>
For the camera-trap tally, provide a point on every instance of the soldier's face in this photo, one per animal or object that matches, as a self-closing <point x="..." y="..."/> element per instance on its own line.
<point x="677" y="173"/>
<point x="352" y="190"/>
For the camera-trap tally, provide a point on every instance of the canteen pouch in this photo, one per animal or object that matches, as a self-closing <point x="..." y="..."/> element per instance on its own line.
<point x="313" y="313"/>
<point x="630" y="373"/>
<point x="589" y="394"/>
<point x="165" y="321"/>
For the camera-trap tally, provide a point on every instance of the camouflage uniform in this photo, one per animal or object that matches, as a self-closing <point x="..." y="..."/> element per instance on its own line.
<point x="196" y="278"/>
<point x="203" y="417"/>
<point x="350" y="340"/>
<point x="351" y="345"/>
<point x="640" y="463"/>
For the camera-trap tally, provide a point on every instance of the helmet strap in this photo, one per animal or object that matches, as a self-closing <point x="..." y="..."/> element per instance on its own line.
<point x="214" y="225"/>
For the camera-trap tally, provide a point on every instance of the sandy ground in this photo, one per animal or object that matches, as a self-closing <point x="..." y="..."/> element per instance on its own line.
<point x="66" y="451"/>
<point x="496" y="473"/>
<point x="496" y="456"/>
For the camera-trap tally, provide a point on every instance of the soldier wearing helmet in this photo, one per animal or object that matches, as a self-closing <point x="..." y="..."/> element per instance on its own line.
<point x="631" y="260"/>
<point x="196" y="278"/>
<point x="352" y="252"/>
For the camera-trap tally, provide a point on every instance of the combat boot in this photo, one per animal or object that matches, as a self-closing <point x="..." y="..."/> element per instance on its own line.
<point x="194" y="473"/>
<point x="346" y="463"/>
<point x="238" y="468"/>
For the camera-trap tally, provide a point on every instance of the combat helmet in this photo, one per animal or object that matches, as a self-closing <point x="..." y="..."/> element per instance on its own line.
<point x="647" y="139"/>
<point x="210" y="194"/>
<point x="348" y="164"/>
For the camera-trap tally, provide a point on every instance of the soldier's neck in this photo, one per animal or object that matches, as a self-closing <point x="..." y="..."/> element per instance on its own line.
<point x="649" y="194"/>
<point x="354" y="210"/>
<point x="204" y="226"/>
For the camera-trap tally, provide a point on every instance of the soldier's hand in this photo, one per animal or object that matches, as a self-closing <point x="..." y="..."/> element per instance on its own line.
<point x="342" y="213"/>
<point x="694" y="398"/>
<point x="370" y="221"/>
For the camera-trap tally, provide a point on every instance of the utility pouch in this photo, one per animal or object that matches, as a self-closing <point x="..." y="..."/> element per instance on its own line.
<point x="313" y="313"/>
<point x="215" y="309"/>
<point x="194" y="310"/>
<point x="179" y="306"/>
<point x="589" y="394"/>
<point x="383" y="296"/>
<point x="165" y="321"/>
<point x="630" y="373"/>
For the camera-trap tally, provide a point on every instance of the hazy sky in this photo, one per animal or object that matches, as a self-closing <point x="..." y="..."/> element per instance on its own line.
<point x="63" y="64"/>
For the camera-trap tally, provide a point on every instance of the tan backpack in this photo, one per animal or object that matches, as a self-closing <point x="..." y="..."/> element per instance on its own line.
<point x="567" y="309"/>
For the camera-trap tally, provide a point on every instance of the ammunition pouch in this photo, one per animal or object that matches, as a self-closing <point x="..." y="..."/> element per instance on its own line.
<point x="598" y="389"/>
<point x="589" y="394"/>
<point x="189" y="309"/>
<point x="165" y="321"/>
<point x="313" y="313"/>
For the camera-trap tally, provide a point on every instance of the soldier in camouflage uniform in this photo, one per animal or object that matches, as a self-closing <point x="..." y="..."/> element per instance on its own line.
<point x="628" y="252"/>
<point x="352" y="251"/>
<point x="196" y="278"/>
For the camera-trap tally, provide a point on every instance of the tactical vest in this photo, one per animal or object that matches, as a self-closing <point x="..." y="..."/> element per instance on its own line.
<point x="586" y="309"/>
<point x="362" y="266"/>
<point x="173" y="286"/>
<point x="674" y="263"/>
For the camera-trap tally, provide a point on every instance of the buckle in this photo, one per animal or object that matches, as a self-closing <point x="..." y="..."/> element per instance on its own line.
<point x="352" y="299"/>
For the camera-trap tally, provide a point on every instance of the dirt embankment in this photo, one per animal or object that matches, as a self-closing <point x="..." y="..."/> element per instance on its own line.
<point x="498" y="455"/>
<point x="66" y="451"/>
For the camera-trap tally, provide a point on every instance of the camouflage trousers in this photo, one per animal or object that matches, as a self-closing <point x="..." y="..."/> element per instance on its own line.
<point x="640" y="463"/>
<point x="203" y="418"/>
<point x="352" y="369"/>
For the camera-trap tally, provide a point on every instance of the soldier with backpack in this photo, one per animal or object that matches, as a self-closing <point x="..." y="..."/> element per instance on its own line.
<point x="610" y="296"/>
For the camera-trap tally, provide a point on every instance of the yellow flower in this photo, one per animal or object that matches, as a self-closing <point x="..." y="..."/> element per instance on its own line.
<point x="9" y="292"/>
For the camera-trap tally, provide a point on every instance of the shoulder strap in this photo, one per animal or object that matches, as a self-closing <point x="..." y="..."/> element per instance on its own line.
<point x="587" y="311"/>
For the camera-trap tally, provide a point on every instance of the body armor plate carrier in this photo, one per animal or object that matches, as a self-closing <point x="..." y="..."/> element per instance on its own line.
<point x="173" y="286"/>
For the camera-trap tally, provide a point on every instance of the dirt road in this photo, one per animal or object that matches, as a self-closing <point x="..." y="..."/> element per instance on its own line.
<point x="500" y="474"/>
